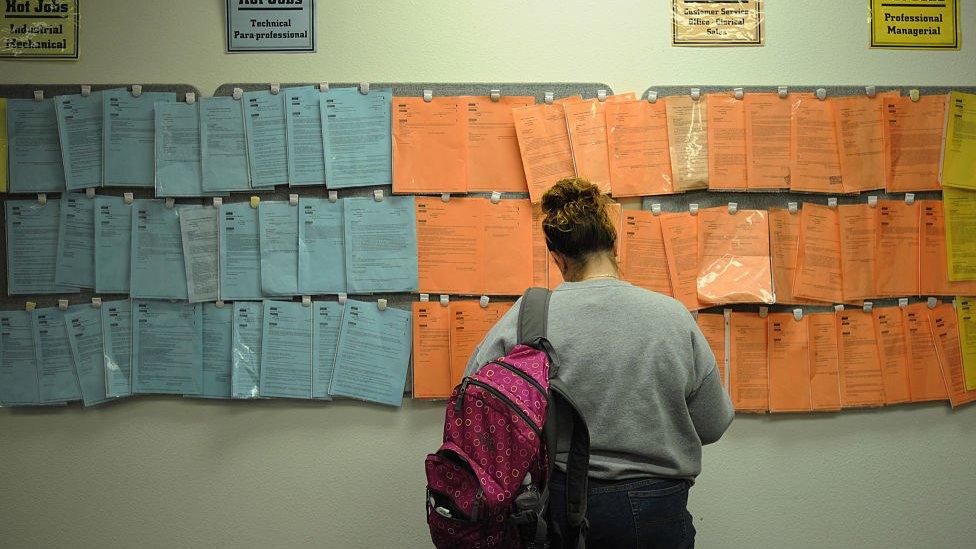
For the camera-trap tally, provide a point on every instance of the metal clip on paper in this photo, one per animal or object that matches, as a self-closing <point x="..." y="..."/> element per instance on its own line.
<point x="42" y="198"/>
<point x="381" y="304"/>
<point x="738" y="93"/>
<point x="548" y="98"/>
<point x="306" y="301"/>
<point x="219" y="304"/>
<point x="428" y="96"/>
<point x="343" y="296"/>
<point x="323" y="87"/>
<point x="424" y="298"/>
<point x="170" y="203"/>
<point x="445" y="197"/>
<point x="871" y="91"/>
<point x="90" y="192"/>
<point x="496" y="197"/>
<point x="364" y="88"/>
<point x="914" y="95"/>
<point x="445" y="300"/>
<point x="872" y="201"/>
<point x="838" y="308"/>
<point x="292" y="199"/>
<point x="821" y="93"/>
<point x="30" y="306"/>
<point x="63" y="304"/>
<point x="190" y="98"/>
<point x="932" y="302"/>
<point x="484" y="301"/>
<point x="783" y="91"/>
<point x="909" y="198"/>
<point x="903" y="302"/>
<point x="832" y="202"/>
<point x="656" y="208"/>
<point x="38" y="95"/>
<point x="238" y="93"/>
<point x="733" y="207"/>
<point x="275" y="88"/>
<point x="255" y="201"/>
<point x="378" y="195"/>
<point x="797" y="314"/>
<point x="695" y="94"/>
<point x="652" y="96"/>
<point x="128" y="198"/>
<point x="763" y="312"/>
<point x="601" y="95"/>
<point x="495" y="95"/>
<point x="217" y="201"/>
<point x="868" y="306"/>
<point x="333" y="196"/>
<point x="136" y="90"/>
<point x="693" y="209"/>
<point x="792" y="207"/>
<point x="96" y="303"/>
<point x="85" y="90"/>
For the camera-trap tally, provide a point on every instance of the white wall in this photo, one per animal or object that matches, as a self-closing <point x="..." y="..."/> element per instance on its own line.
<point x="160" y="472"/>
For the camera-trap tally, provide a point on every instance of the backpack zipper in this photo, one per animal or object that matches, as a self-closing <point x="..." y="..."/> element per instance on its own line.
<point x="507" y="401"/>
<point x="525" y="376"/>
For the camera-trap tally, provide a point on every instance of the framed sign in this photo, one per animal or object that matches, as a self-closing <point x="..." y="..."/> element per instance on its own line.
<point x="270" y="26"/>
<point x="39" y="29"/>
<point x="717" y="23"/>
<point x="916" y="24"/>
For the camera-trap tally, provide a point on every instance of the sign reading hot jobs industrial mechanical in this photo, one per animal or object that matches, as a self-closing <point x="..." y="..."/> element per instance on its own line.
<point x="39" y="29"/>
<point x="270" y="25"/>
<point x="920" y="24"/>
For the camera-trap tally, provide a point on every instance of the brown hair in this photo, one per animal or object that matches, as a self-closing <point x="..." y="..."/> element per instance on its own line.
<point x="575" y="219"/>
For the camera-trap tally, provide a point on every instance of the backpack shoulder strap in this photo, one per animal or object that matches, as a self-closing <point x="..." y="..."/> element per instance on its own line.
<point x="533" y="316"/>
<point x="577" y="469"/>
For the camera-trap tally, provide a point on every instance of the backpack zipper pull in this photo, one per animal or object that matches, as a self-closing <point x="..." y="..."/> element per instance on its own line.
<point x="460" y="400"/>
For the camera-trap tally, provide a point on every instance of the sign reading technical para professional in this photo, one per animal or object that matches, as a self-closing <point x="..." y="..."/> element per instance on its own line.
<point x="271" y="25"/>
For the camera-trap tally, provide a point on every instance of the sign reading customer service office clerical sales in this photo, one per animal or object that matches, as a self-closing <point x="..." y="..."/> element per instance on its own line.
<point x="921" y="24"/>
<point x="270" y="25"/>
<point x="39" y="29"/>
<point x="717" y="23"/>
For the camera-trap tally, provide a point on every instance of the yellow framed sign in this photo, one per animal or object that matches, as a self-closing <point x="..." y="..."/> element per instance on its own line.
<point x="917" y="24"/>
<point x="39" y="29"/>
<point x="716" y="23"/>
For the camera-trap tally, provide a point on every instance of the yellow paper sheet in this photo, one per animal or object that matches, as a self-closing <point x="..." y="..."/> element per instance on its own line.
<point x="688" y="140"/>
<point x="959" y="161"/>
<point x="3" y="145"/>
<point x="945" y="330"/>
<point x="933" y="277"/>
<point x="966" y="316"/>
<point x="960" y="225"/>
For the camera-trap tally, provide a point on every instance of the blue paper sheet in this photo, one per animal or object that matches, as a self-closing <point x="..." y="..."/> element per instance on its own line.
<point x="321" y="247"/>
<point x="326" y="316"/>
<point x="117" y="344"/>
<point x="85" y="340"/>
<point x="373" y="353"/>
<point x="264" y="126"/>
<point x="356" y="132"/>
<point x="177" y="166"/>
<point x="240" y="252"/>
<point x="80" y="131"/>
<point x="75" y="265"/>
<point x="381" y="244"/>
<point x="128" y="136"/>
<point x="55" y="369"/>
<point x="198" y="230"/>
<point x="18" y="365"/>
<point x="32" y="247"/>
<point x="278" y="222"/>
<point x="33" y="147"/>
<point x="246" y="345"/>
<point x="217" y="340"/>
<point x="167" y="347"/>
<point x="156" y="266"/>
<point x="224" y="151"/>
<point x="303" y="124"/>
<point x="113" y="244"/>
<point x="286" y="350"/>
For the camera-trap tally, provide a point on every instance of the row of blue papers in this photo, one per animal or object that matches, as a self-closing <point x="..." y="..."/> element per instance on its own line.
<point x="244" y="350"/>
<point x="300" y="136"/>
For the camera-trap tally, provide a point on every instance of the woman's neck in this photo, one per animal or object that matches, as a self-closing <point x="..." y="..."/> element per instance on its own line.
<point x="603" y="265"/>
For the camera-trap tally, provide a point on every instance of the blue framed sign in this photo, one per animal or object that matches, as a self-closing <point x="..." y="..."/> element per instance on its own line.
<point x="270" y="26"/>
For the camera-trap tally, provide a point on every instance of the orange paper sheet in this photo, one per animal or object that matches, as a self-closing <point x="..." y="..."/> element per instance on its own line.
<point x="587" y="124"/>
<point x="642" y="257"/>
<point x="494" y="162"/>
<point x="860" y="139"/>
<point x="430" y="145"/>
<point x="540" y="252"/>
<point x="784" y="239"/>
<point x="431" y="350"/>
<point x="749" y="379"/>
<point x="508" y="260"/>
<point x="897" y="250"/>
<point x="688" y="142"/>
<point x="470" y="323"/>
<point x="913" y="142"/>
<point x="637" y="146"/>
<point x="621" y="97"/>
<point x="767" y="120"/>
<point x="734" y="257"/>
<point x="680" y="232"/>
<point x="945" y="330"/>
<point x="726" y="142"/>
<point x="818" y="263"/>
<point x="789" y="363"/>
<point x="924" y="372"/>
<point x="824" y="366"/>
<point x="858" y="231"/>
<point x="933" y="273"/>
<point x="544" y="147"/>
<point x="889" y="330"/>
<point x="814" y="157"/>
<point x="713" y="328"/>
<point x="861" y="378"/>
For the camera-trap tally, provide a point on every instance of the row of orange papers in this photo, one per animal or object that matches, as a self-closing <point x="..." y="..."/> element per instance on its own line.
<point x="444" y="338"/>
<point x="456" y="144"/>
<point x="734" y="262"/>
<point x="474" y="246"/>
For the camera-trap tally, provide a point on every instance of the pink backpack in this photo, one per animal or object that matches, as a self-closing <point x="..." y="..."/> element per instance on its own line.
<point x="487" y="485"/>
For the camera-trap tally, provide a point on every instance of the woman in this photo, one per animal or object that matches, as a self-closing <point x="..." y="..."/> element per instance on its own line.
<point x="640" y="371"/>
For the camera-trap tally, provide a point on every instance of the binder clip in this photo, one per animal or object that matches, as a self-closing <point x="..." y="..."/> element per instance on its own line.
<point x="364" y="88"/>
<point x="821" y="93"/>
<point x="932" y="302"/>
<point x="903" y="302"/>
<point x="871" y="91"/>
<point x="86" y="90"/>
<point x="275" y="88"/>
<point x="445" y="300"/>
<point x="495" y="95"/>
<point x="652" y="96"/>
<point x="832" y="202"/>
<point x="484" y="301"/>
<point x="424" y="298"/>
<point x="96" y="303"/>
<point x="656" y="208"/>
<point x="333" y="196"/>
<point x="838" y="308"/>
<point x="695" y="94"/>
<point x="217" y="201"/>
<point x="63" y="304"/>
<point x="783" y="91"/>
<point x="496" y="197"/>
<point x="738" y="93"/>
<point x="190" y="98"/>
<point x="548" y="98"/>
<point x="868" y="306"/>
<point x="445" y="197"/>
<point x="343" y="296"/>
<point x="255" y="201"/>
<point x="323" y="87"/>
<point x="219" y="304"/>
<point x="90" y="192"/>
<point x="428" y="96"/>
<point x="136" y="90"/>
<point x="914" y="95"/>
<point x="237" y="94"/>
<point x="306" y="301"/>
<point x="872" y="201"/>
<point x="733" y="207"/>
<point x="909" y="198"/>
<point x="601" y="95"/>
<point x="792" y="207"/>
<point x="128" y="198"/>
<point x="293" y="200"/>
<point x="30" y="306"/>
<point x="797" y="314"/>
<point x="38" y="95"/>
<point x="170" y="203"/>
<point x="693" y="209"/>
<point x="381" y="304"/>
<point x="378" y="195"/>
<point x="763" y="312"/>
<point x="42" y="198"/>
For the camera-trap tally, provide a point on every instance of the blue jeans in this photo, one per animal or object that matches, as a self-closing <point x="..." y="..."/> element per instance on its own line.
<point x="646" y="513"/>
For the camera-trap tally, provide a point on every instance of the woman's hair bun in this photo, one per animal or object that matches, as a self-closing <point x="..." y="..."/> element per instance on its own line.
<point x="572" y="194"/>
<point x="575" y="219"/>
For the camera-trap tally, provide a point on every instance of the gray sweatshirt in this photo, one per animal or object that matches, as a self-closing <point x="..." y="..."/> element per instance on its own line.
<point x="641" y="372"/>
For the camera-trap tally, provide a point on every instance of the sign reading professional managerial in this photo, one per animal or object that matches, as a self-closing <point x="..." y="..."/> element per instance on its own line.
<point x="921" y="24"/>
<point x="270" y="25"/>
<point x="39" y="29"/>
